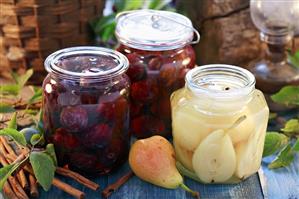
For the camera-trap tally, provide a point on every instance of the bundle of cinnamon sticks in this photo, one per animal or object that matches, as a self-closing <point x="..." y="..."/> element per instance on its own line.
<point x="23" y="184"/>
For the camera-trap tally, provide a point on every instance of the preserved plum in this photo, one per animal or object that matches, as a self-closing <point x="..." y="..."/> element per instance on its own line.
<point x="157" y="45"/>
<point x="86" y="108"/>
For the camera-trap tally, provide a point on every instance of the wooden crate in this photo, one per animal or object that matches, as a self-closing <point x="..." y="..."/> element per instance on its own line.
<point x="32" y="29"/>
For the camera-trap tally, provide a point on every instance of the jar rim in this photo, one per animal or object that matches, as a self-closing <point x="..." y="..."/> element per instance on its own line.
<point x="101" y="75"/>
<point x="200" y="80"/>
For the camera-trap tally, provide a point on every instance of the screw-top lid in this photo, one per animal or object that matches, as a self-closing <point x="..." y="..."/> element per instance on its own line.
<point x="94" y="63"/>
<point x="154" y="30"/>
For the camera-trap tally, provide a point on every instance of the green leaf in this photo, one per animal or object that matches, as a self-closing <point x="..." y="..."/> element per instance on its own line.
<point x="273" y="142"/>
<point x="120" y="5"/>
<point x="51" y="151"/>
<point x="108" y="32"/>
<point x="14" y="134"/>
<point x="35" y="139"/>
<point x="38" y="93"/>
<point x="103" y="23"/>
<point x="13" y="121"/>
<point x="296" y="146"/>
<point x="288" y="95"/>
<point x="22" y="80"/>
<point x="12" y="89"/>
<point x="43" y="168"/>
<point x="157" y="4"/>
<point x="133" y="4"/>
<point x="291" y="127"/>
<point x="6" y="108"/>
<point x="5" y="172"/>
<point x="284" y="158"/>
<point x="294" y="59"/>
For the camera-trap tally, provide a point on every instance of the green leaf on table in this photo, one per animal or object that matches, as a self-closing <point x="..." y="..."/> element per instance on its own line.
<point x="284" y="158"/>
<point x="273" y="142"/>
<point x="288" y="95"/>
<point x="13" y="121"/>
<point x="22" y="79"/>
<point x="296" y="145"/>
<point x="5" y="172"/>
<point x="43" y="168"/>
<point x="10" y="89"/>
<point x="15" y="135"/>
<point x="294" y="59"/>
<point x="6" y="108"/>
<point x="291" y="127"/>
<point x="50" y="150"/>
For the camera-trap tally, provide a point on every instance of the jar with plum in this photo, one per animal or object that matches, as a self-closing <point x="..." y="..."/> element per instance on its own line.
<point x="86" y="108"/>
<point x="219" y="124"/>
<point x="158" y="47"/>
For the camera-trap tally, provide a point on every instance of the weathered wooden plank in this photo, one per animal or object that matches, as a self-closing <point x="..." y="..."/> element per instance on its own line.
<point x="282" y="183"/>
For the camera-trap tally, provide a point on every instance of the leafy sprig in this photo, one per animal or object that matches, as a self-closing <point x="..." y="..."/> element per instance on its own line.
<point x="284" y="143"/>
<point x="43" y="160"/>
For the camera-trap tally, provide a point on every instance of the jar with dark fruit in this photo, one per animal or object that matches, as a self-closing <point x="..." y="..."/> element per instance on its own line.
<point x="86" y="108"/>
<point x="158" y="47"/>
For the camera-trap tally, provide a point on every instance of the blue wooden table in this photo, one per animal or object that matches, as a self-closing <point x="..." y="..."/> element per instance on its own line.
<point x="277" y="184"/>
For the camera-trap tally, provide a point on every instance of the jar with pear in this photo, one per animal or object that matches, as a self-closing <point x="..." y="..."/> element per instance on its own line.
<point x="219" y="123"/>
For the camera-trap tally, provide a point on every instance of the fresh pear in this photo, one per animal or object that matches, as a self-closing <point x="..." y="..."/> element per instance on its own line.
<point x="153" y="160"/>
<point x="214" y="160"/>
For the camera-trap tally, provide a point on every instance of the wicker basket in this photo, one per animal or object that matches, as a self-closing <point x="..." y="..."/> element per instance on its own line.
<point x="32" y="29"/>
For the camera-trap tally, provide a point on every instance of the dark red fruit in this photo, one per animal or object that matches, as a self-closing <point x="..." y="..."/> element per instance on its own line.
<point x="74" y="118"/>
<point x="83" y="161"/>
<point x="146" y="126"/>
<point x="168" y="75"/>
<point x="98" y="136"/>
<point x="145" y="91"/>
<point x="135" y="109"/>
<point x="188" y="57"/>
<point x="164" y="108"/>
<point x="89" y="98"/>
<point x="64" y="139"/>
<point x="106" y="111"/>
<point x="136" y="71"/>
<point x="121" y="107"/>
<point x="117" y="149"/>
<point x="155" y="63"/>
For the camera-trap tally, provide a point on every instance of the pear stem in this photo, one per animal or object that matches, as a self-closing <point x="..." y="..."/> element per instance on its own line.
<point x="194" y="193"/>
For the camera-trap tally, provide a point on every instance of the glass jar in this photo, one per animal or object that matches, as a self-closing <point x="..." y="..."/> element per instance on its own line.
<point x="157" y="45"/>
<point x="219" y="122"/>
<point x="86" y="108"/>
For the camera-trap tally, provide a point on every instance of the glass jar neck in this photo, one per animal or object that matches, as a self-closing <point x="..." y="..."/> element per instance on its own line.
<point x="221" y="87"/>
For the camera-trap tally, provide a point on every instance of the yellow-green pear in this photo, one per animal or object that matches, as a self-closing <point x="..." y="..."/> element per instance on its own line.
<point x="153" y="160"/>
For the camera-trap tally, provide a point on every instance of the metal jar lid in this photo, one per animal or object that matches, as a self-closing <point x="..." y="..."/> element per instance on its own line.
<point x="154" y="30"/>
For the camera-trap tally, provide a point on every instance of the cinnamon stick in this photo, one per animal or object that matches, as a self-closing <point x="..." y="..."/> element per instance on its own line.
<point x="111" y="188"/>
<point x="16" y="187"/>
<point x="82" y="180"/>
<point x="33" y="186"/>
<point x="20" y="174"/>
<point x="67" y="188"/>
<point x="8" y="191"/>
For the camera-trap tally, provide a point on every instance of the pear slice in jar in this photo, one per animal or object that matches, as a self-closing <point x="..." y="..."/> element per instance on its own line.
<point x="214" y="160"/>
<point x="188" y="127"/>
<point x="249" y="153"/>
<point x="183" y="155"/>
